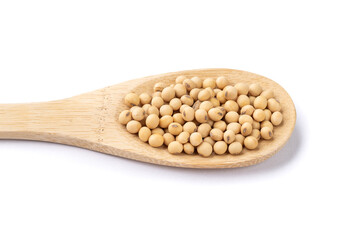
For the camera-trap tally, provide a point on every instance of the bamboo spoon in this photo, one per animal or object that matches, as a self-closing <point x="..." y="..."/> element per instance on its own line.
<point x="90" y="121"/>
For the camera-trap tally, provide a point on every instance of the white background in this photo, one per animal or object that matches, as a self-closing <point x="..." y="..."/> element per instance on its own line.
<point x="56" y="49"/>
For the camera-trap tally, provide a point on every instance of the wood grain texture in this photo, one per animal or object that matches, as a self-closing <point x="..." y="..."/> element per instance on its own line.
<point x="90" y="121"/>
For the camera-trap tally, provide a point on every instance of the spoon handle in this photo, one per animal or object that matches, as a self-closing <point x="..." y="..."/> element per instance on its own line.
<point x="55" y="121"/>
<point x="27" y="121"/>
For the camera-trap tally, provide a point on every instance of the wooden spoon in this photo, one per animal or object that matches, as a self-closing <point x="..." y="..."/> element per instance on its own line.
<point x="90" y="121"/>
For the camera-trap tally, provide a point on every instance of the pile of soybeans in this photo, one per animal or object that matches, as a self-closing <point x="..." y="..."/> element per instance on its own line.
<point x="203" y="116"/>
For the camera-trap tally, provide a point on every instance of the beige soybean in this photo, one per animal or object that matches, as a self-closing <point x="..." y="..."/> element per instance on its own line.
<point x="256" y="125"/>
<point x="165" y="121"/>
<point x="175" y="129"/>
<point x="157" y="102"/>
<point x="152" y="121"/>
<point x="180" y="90"/>
<point x="125" y="117"/>
<point x="220" y="147"/>
<point x="187" y="100"/>
<point x="134" y="108"/>
<point x="267" y="124"/>
<point x="156" y="140"/>
<point x="204" y="129"/>
<point x="159" y="131"/>
<point x="213" y="94"/>
<point x="206" y="105"/>
<point x="166" y="110"/>
<point x="196" y="105"/>
<point x="215" y="102"/>
<point x="276" y="118"/>
<point x="246" y="129"/>
<point x="195" y="139"/>
<point x="250" y="142"/>
<point x="159" y="86"/>
<point x="231" y="117"/>
<point x="215" y="114"/>
<point x="243" y="100"/>
<point x="231" y="105"/>
<point x="222" y="82"/>
<point x="175" y="103"/>
<point x="153" y="110"/>
<point x="239" y="138"/>
<point x="209" y="82"/>
<point x="145" y="98"/>
<point x="177" y="117"/>
<point x="251" y="100"/>
<point x="138" y="114"/>
<point x="247" y="110"/>
<point x="204" y="95"/>
<point x="268" y="114"/>
<point x="230" y="93"/>
<point x="229" y="136"/>
<point x="259" y="115"/>
<point x="194" y="93"/>
<point x="273" y="105"/>
<point x="205" y="149"/>
<point x="222" y="125"/>
<point x="189" y="84"/>
<point x="255" y="89"/>
<point x="132" y="99"/>
<point x="223" y="110"/>
<point x="216" y="90"/>
<point x="188" y="148"/>
<point x="183" y="137"/>
<point x="133" y="126"/>
<point x="242" y="88"/>
<point x="256" y="133"/>
<point x="245" y="118"/>
<point x="267" y="94"/>
<point x="175" y="147"/>
<point x="146" y="107"/>
<point x="235" y="127"/>
<point x="180" y="79"/>
<point x="168" y="138"/>
<point x="209" y="140"/>
<point x="216" y="134"/>
<point x="144" y="134"/>
<point x="188" y="114"/>
<point x="235" y="148"/>
<point x="220" y="96"/>
<point x="190" y="127"/>
<point x="201" y="116"/>
<point x="260" y="102"/>
<point x="266" y="133"/>
<point x="183" y="107"/>
<point x="197" y="81"/>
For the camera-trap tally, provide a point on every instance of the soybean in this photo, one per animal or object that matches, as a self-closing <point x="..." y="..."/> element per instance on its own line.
<point x="235" y="148"/>
<point x="175" y="147"/>
<point x="205" y="149"/>
<point x="133" y="126"/>
<point x="125" y="117"/>
<point x="156" y="140"/>
<point x="276" y="118"/>
<point x="220" y="147"/>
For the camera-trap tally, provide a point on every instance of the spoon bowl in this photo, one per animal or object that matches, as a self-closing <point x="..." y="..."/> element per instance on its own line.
<point x="90" y="121"/>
